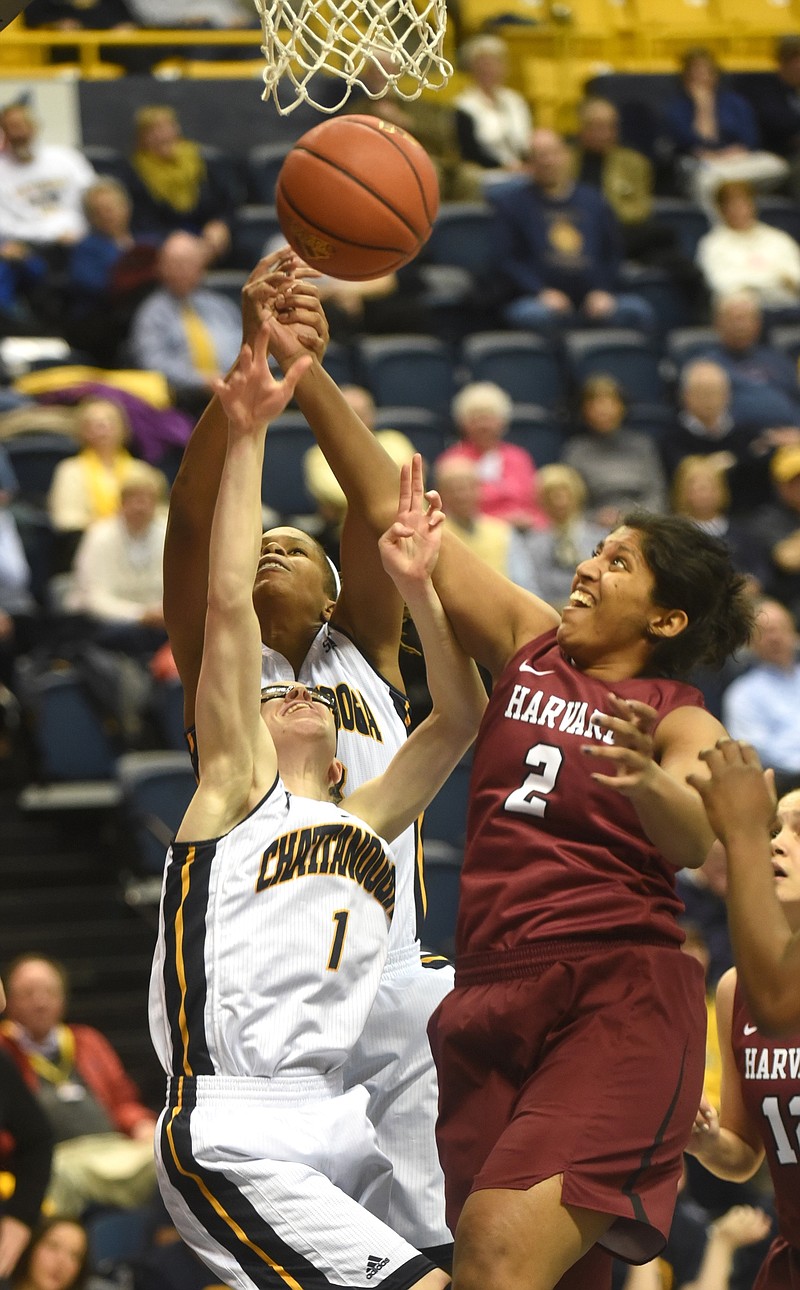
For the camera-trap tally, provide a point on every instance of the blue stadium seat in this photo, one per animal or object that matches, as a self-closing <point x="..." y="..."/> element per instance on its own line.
<point x="446" y="816"/>
<point x="71" y="740"/>
<point x="657" y="286"/>
<point x="523" y="363"/>
<point x="338" y="363"/>
<point x="688" y="221"/>
<point x="117" y="1235"/>
<point x="283" y="486"/>
<point x="425" y="429"/>
<point x="107" y="161"/>
<point x="629" y="356"/>
<point x="264" y="161"/>
<point x="788" y="339"/>
<point x="156" y="790"/>
<point x="228" y="282"/>
<point x="442" y="875"/>
<point x="462" y="235"/>
<point x="252" y="228"/>
<point x="411" y="371"/>
<point x="685" y="343"/>
<point x="34" y="455"/>
<point x="781" y="212"/>
<point x="168" y="705"/>
<point x="536" y="430"/>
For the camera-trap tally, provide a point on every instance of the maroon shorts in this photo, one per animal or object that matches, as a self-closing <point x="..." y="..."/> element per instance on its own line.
<point x="590" y="1067"/>
<point x="780" y="1269"/>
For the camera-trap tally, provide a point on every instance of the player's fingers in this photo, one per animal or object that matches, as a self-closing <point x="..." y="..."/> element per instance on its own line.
<point x="624" y="731"/>
<point x="434" y="500"/>
<point x="404" y="498"/>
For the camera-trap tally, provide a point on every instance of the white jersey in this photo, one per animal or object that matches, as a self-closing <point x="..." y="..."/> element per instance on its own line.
<point x="271" y="943"/>
<point x="373" y="719"/>
<point x="41" y="199"/>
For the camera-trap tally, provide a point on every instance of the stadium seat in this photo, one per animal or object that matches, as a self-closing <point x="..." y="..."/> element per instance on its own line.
<point x="685" y="343"/>
<point x="118" y="1234"/>
<point x="283" y="487"/>
<point x="657" y="286"/>
<point x="445" y="818"/>
<point x="69" y="735"/>
<point x="536" y="430"/>
<point x="34" y="455"/>
<point x="168" y="706"/>
<point x="107" y="161"/>
<point x="156" y="790"/>
<point x="523" y="363"/>
<point x="688" y="221"/>
<point x="252" y="228"/>
<point x="425" y="429"/>
<point x="462" y="235"/>
<point x="781" y="212"/>
<point x="411" y="371"/>
<point x="788" y="339"/>
<point x="264" y="161"/>
<point x="442" y="876"/>
<point x="338" y="363"/>
<point x="627" y="355"/>
<point x="228" y="282"/>
<point x="227" y="173"/>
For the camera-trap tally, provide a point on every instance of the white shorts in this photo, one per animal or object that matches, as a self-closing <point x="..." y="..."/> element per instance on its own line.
<point x="279" y="1183"/>
<point x="393" y="1060"/>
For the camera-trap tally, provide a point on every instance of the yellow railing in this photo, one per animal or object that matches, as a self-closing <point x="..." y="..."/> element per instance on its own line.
<point x="88" y="44"/>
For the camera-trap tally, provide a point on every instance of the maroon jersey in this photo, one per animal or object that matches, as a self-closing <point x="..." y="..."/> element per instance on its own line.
<point x="551" y="853"/>
<point x="769" y="1071"/>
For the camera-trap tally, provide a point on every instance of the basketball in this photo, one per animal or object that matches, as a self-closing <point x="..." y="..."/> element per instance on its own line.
<point x="357" y="197"/>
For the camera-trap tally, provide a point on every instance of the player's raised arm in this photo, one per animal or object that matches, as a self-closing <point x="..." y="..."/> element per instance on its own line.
<point x="409" y="550"/>
<point x="239" y="760"/>
<point x="741" y="807"/>
<point x="491" y="616"/>
<point x="194" y="494"/>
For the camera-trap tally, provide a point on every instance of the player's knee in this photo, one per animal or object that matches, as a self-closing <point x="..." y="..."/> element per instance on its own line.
<point x="483" y="1258"/>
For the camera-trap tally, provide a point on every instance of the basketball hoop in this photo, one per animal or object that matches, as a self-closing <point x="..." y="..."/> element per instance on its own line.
<point x="349" y="39"/>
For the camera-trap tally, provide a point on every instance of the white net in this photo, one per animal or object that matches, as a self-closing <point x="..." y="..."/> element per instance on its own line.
<point x="377" y="45"/>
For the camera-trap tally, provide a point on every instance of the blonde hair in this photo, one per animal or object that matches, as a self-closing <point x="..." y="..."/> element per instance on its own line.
<point x="687" y="467"/>
<point x="483" y="395"/>
<point x="93" y="400"/>
<point x="559" y="475"/>
<point x="149" y="116"/>
<point x="140" y="475"/>
<point x="480" y="45"/>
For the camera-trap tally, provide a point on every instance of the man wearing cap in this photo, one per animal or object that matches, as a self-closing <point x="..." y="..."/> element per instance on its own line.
<point x="776" y="531"/>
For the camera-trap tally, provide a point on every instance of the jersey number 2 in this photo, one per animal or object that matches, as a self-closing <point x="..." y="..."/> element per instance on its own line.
<point x="340" y="920"/>
<point x="545" y="763"/>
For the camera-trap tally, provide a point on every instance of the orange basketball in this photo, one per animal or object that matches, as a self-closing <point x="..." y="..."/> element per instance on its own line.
<point x="357" y="197"/>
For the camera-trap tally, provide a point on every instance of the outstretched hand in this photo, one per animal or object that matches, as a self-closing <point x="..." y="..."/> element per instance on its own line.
<point x="737" y="793"/>
<point x="410" y="548"/>
<point x="249" y="394"/>
<point x="632" y="752"/>
<point x="280" y="289"/>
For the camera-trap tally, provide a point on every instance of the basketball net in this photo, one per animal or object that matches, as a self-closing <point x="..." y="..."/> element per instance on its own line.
<point x="349" y="40"/>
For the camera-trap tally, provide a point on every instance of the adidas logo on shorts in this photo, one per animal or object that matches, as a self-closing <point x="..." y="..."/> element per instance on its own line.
<point x="374" y="1265"/>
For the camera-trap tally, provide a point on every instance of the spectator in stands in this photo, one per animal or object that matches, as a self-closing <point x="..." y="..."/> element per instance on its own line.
<point x="431" y="122"/>
<point x="321" y="481"/>
<point x="742" y="253"/>
<point x="703" y="892"/>
<point x="23" y="290"/>
<point x="493" y="121"/>
<point x="78" y="15"/>
<point x="41" y="187"/>
<point x="109" y="273"/>
<point x="104" y="1135"/>
<point x="117" y="578"/>
<point x="56" y="1259"/>
<point x="460" y="489"/>
<point x="559" y="248"/>
<point x="172" y="187"/>
<point x="87" y="486"/>
<point x="763" y="378"/>
<point x="706" y="426"/>
<point x="700" y="491"/>
<point x="544" y="562"/>
<point x="482" y="414"/>
<point x="26" y="1149"/>
<point x="775" y="532"/>
<point x="620" y="467"/>
<point x="16" y="602"/>
<point x="192" y="13"/>
<point x="761" y="706"/>
<point x="777" y="105"/>
<point x="184" y="329"/>
<point x="714" y="131"/>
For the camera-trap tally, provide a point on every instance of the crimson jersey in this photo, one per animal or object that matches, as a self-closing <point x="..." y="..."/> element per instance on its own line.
<point x="550" y="852"/>
<point x="769" y="1071"/>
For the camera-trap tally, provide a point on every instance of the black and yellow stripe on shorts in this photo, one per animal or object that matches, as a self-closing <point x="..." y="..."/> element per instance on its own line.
<point x="185" y="986"/>
<point x="233" y="1222"/>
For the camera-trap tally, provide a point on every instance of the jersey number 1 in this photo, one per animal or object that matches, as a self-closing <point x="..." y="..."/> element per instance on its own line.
<point x="545" y="763"/>
<point x="340" y="919"/>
